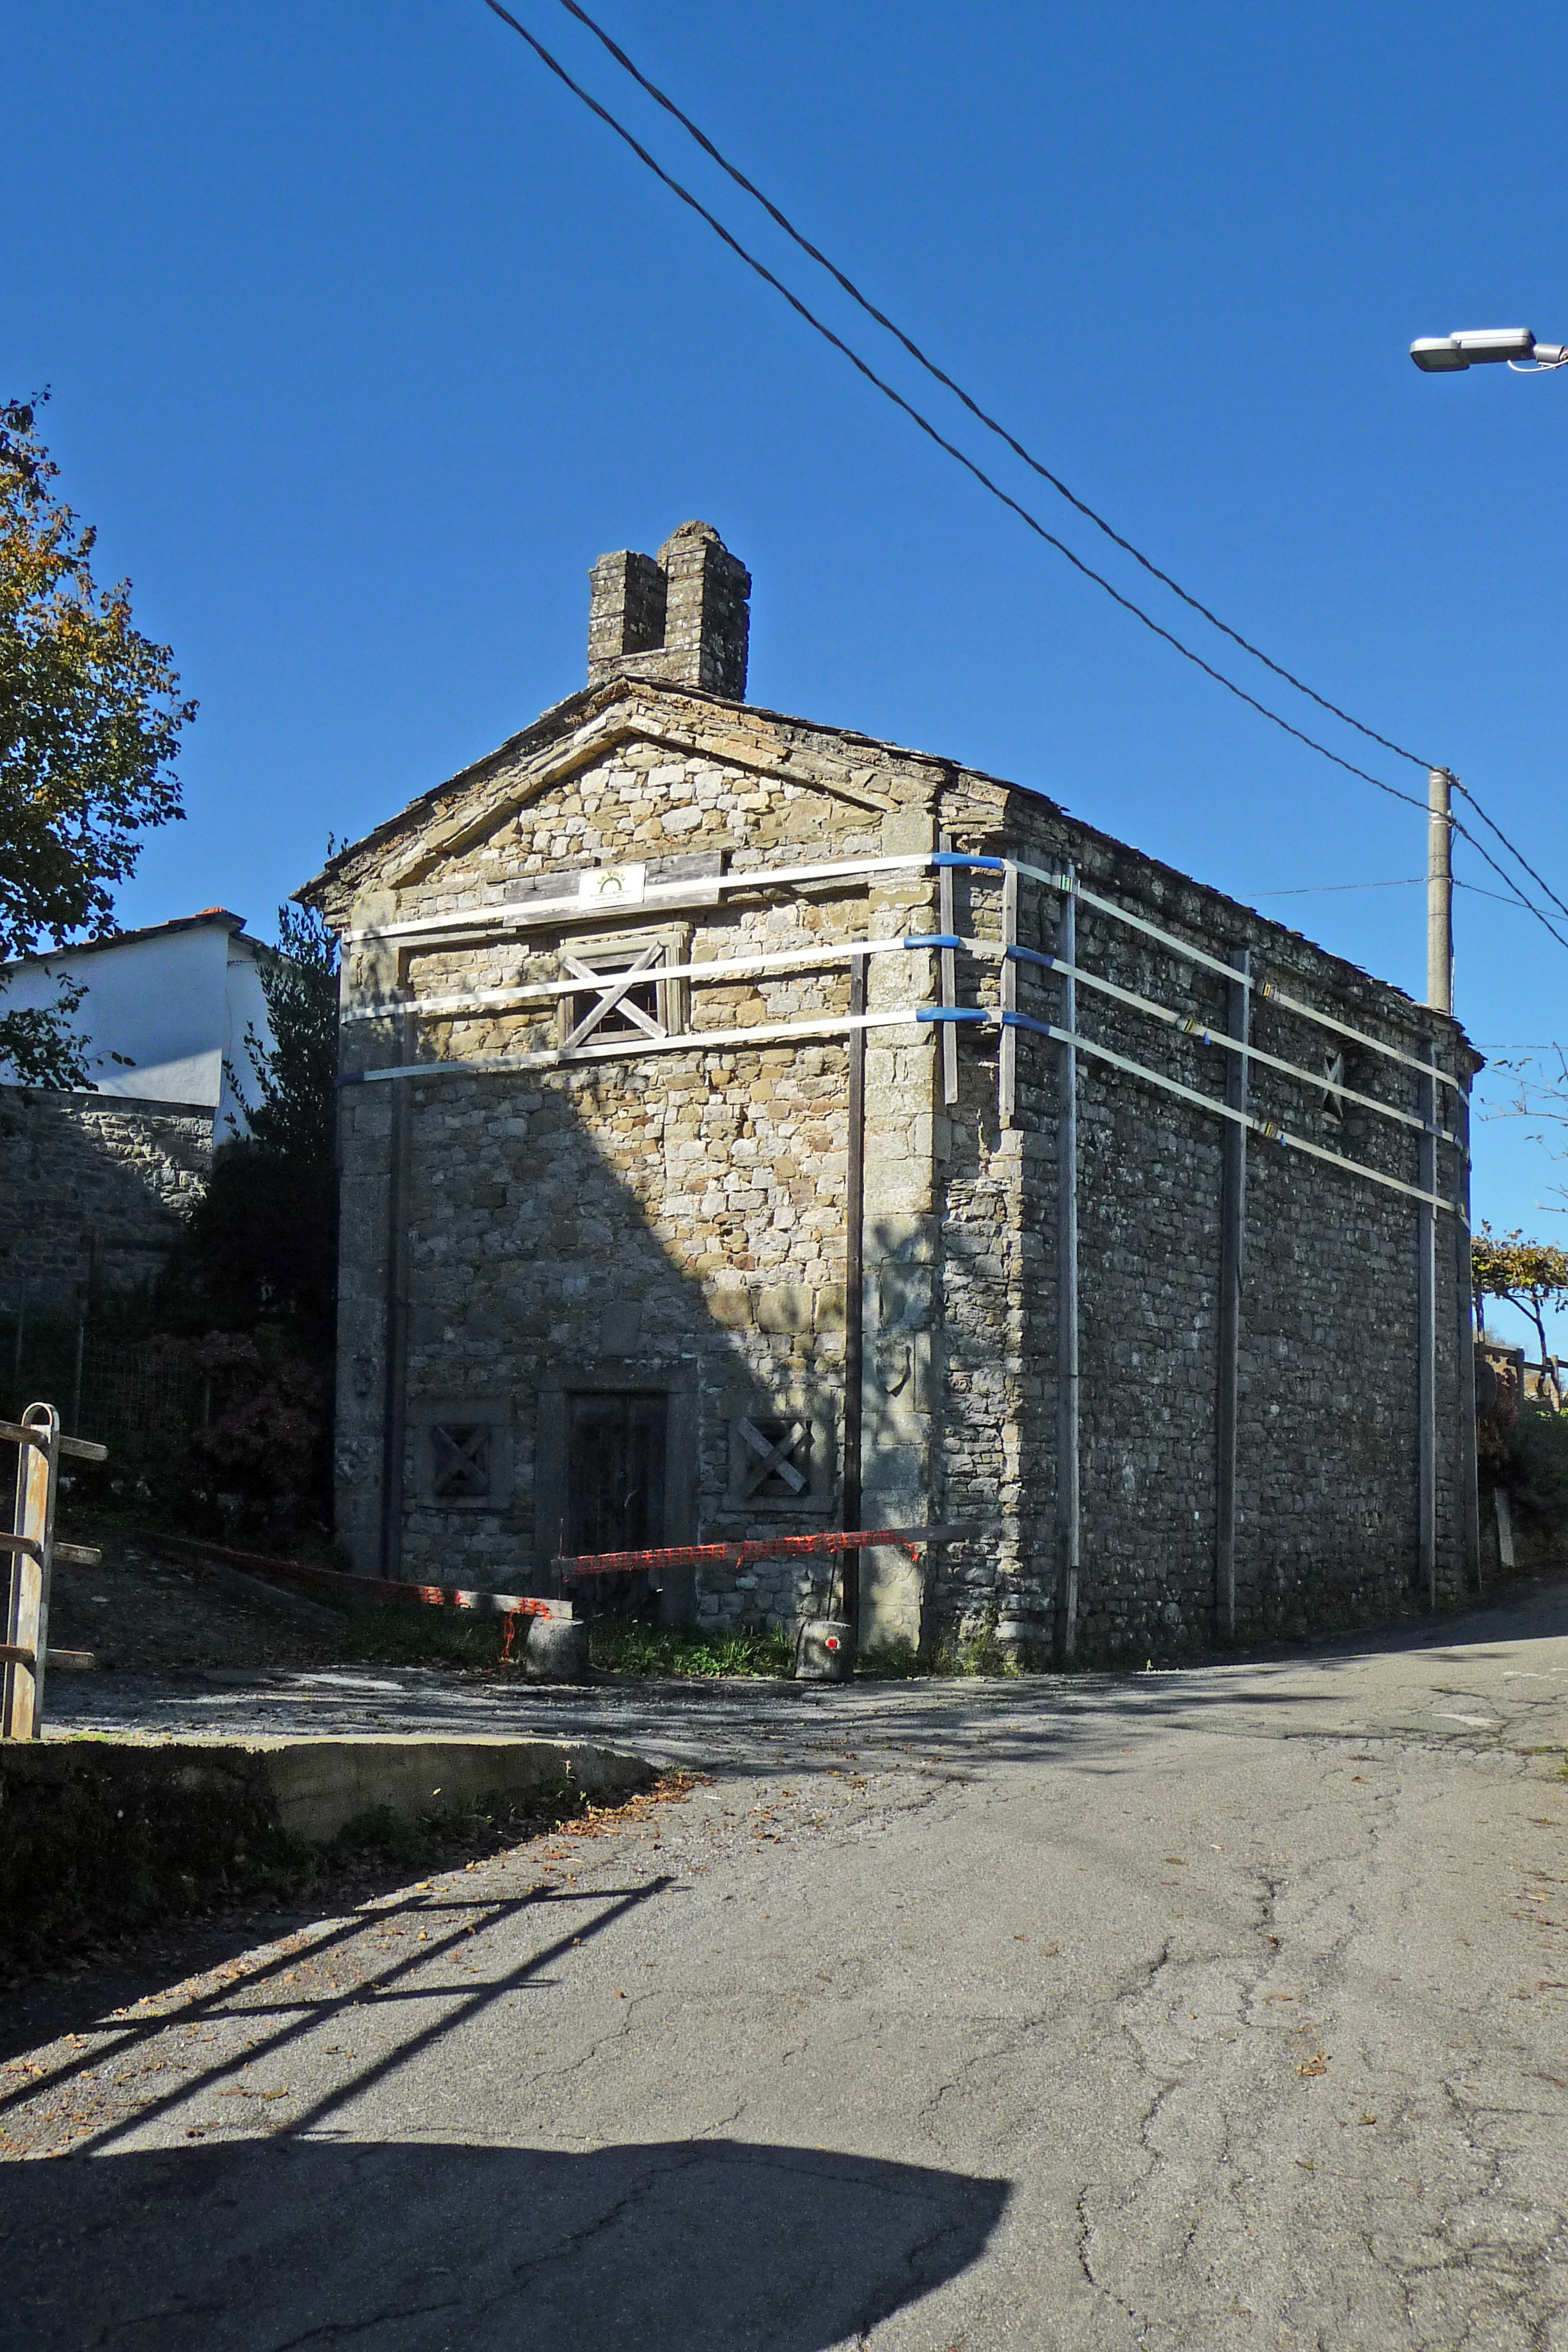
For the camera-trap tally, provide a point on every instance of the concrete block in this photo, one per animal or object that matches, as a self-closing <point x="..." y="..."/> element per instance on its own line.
<point x="826" y="1651"/>
<point x="318" y="1786"/>
<point x="557" y="1650"/>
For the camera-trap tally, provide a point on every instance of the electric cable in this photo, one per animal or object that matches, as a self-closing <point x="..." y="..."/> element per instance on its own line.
<point x="991" y="424"/>
<point x="1327" y="889"/>
<point x="1032" y="521"/>
<point x="694" y="131"/>
<point x="1502" y="836"/>
<point x="1405" y="882"/>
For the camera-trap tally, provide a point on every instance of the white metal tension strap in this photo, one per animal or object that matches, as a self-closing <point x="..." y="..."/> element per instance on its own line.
<point x="826" y="954"/>
<point x="522" y="913"/>
<point x="1317" y="1079"/>
<point x="633" y="1049"/>
<point x="1260" y="1127"/>
<point x="525" y="913"/>
<point x="1266" y="989"/>
<point x="545" y="992"/>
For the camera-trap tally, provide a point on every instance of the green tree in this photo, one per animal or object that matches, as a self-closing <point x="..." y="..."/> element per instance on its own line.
<point x="1530" y="1276"/>
<point x="90" y="720"/>
<point x="265" y="1234"/>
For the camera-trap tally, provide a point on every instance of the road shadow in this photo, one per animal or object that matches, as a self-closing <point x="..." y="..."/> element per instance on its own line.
<point x="675" y="2246"/>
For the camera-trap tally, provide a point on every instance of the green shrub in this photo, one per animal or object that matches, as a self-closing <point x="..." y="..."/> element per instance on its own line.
<point x="1537" y="1472"/>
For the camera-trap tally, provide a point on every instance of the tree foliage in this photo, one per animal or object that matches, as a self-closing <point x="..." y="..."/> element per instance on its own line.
<point x="264" y="1236"/>
<point x="89" y="719"/>
<point x="1530" y="1276"/>
<point x="294" y="1111"/>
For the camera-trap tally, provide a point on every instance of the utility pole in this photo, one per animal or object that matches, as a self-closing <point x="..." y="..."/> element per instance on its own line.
<point x="1439" y="891"/>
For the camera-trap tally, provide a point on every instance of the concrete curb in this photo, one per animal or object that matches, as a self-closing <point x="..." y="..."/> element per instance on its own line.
<point x="318" y="1786"/>
<point x="99" y="1835"/>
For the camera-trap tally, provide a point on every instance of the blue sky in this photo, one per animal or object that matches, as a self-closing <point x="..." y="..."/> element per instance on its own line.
<point x="365" y="341"/>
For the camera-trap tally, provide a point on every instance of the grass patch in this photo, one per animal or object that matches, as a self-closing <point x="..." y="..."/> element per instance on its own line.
<point x="457" y="1637"/>
<point x="619" y="1647"/>
<point x="402" y="1636"/>
<point x="982" y="1654"/>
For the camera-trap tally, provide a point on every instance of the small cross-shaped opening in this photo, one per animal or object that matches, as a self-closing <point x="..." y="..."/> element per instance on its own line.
<point x="462" y="1460"/>
<point x="777" y="1461"/>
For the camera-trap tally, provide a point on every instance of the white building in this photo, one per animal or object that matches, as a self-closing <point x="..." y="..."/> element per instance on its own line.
<point x="165" y="1013"/>
<point x="96" y="1181"/>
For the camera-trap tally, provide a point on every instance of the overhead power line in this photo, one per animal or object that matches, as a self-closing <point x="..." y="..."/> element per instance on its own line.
<point x="1493" y="826"/>
<point x="694" y="131"/>
<point x="992" y="425"/>
<point x="960" y="457"/>
<point x="1405" y="882"/>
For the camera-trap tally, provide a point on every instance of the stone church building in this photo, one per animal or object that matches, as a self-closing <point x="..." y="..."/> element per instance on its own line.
<point x="751" y="1128"/>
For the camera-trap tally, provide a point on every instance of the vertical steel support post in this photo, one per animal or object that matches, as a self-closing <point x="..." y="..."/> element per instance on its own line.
<point x="395" y="1333"/>
<point x="1426" y="1342"/>
<point x="1007" y="995"/>
<point x="947" y="963"/>
<point x="1470" y="1484"/>
<point x="1232" y="1249"/>
<point x="27" y="1616"/>
<point x="854" y="1292"/>
<point x="1068" y="1530"/>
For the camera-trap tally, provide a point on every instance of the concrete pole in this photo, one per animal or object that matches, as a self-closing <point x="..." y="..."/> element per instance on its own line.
<point x="1439" y="891"/>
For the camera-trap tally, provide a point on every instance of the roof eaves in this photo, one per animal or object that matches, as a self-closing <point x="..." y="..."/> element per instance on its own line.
<point x="215" y="916"/>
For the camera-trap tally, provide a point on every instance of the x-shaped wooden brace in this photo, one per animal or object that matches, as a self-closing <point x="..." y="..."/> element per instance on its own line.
<point x="774" y="1458"/>
<point x="614" y="997"/>
<point x="464" y="1464"/>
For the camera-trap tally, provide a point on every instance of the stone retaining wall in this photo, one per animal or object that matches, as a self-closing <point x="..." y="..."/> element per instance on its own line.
<point x="87" y="1177"/>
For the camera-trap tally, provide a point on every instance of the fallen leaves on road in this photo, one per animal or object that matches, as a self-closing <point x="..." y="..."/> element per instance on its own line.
<point x="1318" y="2063"/>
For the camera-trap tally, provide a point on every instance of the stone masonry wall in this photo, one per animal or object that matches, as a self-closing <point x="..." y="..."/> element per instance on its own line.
<point x="672" y="1226"/>
<point x="674" y="1223"/>
<point x="88" y="1175"/>
<point x="1327" y="1436"/>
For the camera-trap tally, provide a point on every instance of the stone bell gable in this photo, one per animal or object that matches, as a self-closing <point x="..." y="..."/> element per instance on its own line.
<point x="716" y="1084"/>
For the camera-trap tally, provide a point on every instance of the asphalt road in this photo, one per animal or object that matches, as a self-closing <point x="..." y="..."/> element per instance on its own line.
<point x="1217" y="2009"/>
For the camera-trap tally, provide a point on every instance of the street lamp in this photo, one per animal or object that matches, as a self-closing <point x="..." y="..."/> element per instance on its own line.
<point x="1474" y="346"/>
<point x="1445" y="355"/>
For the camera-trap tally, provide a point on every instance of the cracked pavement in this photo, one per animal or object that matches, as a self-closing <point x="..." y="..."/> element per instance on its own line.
<point x="1219" y="2008"/>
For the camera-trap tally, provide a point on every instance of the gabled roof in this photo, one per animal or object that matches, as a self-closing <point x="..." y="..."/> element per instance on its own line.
<point x="217" y="917"/>
<point x="579" y="730"/>
<point x="839" y="761"/>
